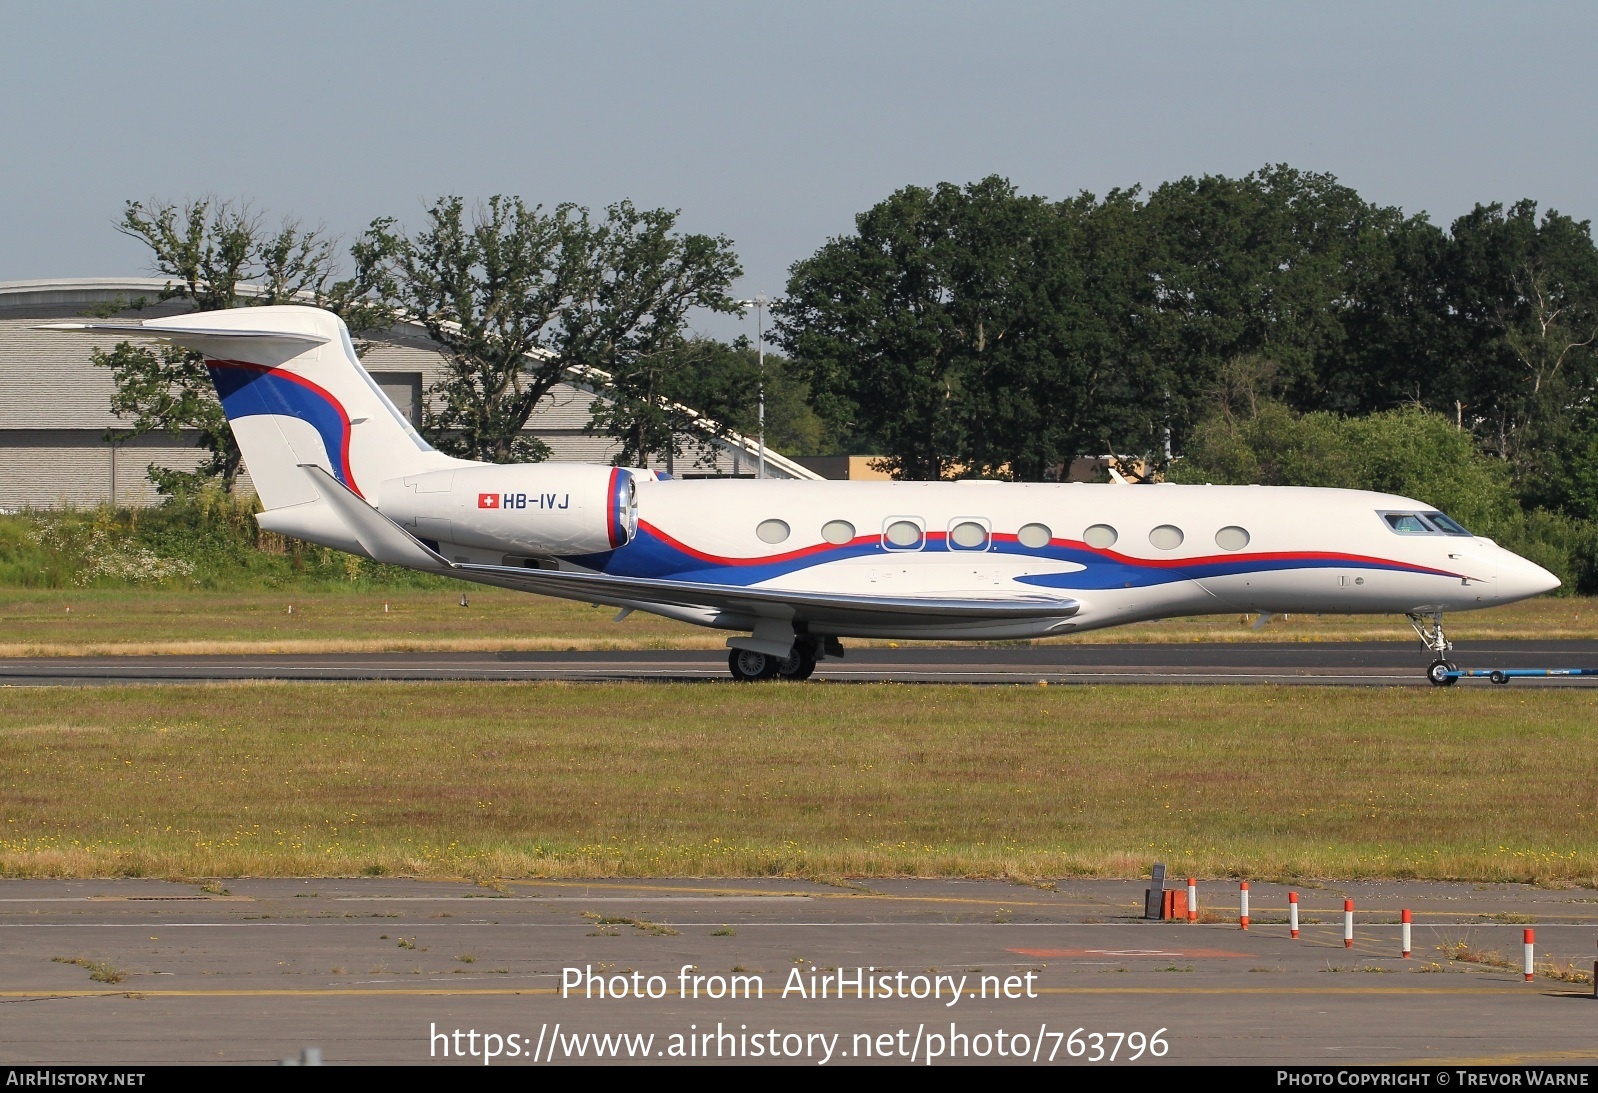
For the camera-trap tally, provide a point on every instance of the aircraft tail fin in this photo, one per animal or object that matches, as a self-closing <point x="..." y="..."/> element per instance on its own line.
<point x="295" y="394"/>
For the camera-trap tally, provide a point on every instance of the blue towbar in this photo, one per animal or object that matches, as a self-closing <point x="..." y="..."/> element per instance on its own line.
<point x="1504" y="675"/>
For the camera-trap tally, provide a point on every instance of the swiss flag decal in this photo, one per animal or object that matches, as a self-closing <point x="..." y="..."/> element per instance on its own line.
<point x="488" y="500"/>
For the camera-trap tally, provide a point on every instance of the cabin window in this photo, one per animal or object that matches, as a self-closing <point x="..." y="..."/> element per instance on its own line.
<point x="1407" y="523"/>
<point x="968" y="535"/>
<point x="772" y="531"/>
<point x="1100" y="536"/>
<point x="1231" y="538"/>
<point x="902" y="534"/>
<point x="1166" y="537"/>
<point x="1035" y="536"/>
<point x="838" y="532"/>
<point x="1446" y="524"/>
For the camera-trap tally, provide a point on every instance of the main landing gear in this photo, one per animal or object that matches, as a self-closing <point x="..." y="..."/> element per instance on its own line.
<point x="749" y="666"/>
<point x="1442" y="671"/>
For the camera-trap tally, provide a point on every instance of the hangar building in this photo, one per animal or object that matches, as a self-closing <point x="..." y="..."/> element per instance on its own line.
<point x="55" y="404"/>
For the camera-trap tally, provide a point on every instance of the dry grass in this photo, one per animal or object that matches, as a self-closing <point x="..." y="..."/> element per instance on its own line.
<point x="488" y="780"/>
<point x="1564" y="971"/>
<point x="1464" y="951"/>
<point x="105" y="622"/>
<point x="92" y="622"/>
<point x="99" y="970"/>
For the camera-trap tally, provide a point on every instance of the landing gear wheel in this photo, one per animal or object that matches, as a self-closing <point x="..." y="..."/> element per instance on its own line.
<point x="1499" y="678"/>
<point x="1438" y="673"/>
<point x="749" y="666"/>
<point x="797" y="665"/>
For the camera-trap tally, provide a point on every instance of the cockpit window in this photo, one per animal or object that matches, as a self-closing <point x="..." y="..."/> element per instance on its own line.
<point x="1407" y="523"/>
<point x="1447" y="525"/>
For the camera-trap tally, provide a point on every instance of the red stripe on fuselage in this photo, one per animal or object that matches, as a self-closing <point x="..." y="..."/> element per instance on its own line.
<point x="1126" y="559"/>
<point x="768" y="559"/>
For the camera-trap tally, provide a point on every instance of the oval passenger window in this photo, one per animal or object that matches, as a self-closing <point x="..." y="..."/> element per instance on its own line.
<point x="968" y="535"/>
<point x="772" y="531"/>
<point x="1232" y="538"/>
<point x="1036" y="536"/>
<point x="838" y="532"/>
<point x="1166" y="537"/>
<point x="1100" y="536"/>
<point x="903" y="534"/>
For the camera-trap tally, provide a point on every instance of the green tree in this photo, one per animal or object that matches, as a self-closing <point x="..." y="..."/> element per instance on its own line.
<point x="217" y="254"/>
<point x="1291" y="265"/>
<point x="1004" y="334"/>
<point x="517" y="297"/>
<point x="1524" y="296"/>
<point x="958" y="329"/>
<point x="630" y="323"/>
<point x="712" y="389"/>
<point x="730" y="392"/>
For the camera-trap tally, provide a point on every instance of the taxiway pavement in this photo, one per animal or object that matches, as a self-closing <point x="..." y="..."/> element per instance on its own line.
<point x="128" y="972"/>
<point x="1332" y="663"/>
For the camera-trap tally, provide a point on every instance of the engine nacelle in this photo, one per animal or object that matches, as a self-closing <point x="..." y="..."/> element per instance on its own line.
<point x="538" y="509"/>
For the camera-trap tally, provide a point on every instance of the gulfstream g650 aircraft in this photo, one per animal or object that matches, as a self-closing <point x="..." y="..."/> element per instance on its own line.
<point x="794" y="566"/>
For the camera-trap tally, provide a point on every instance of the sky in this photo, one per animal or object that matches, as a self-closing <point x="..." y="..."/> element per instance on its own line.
<point x="771" y="124"/>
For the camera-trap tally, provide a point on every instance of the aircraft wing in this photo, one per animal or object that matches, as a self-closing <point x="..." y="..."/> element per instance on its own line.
<point x="765" y="602"/>
<point x="385" y="541"/>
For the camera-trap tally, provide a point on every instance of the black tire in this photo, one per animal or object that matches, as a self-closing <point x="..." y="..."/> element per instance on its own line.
<point x="1438" y="673"/>
<point x="749" y="666"/>
<point x="798" y="665"/>
<point x="1499" y="678"/>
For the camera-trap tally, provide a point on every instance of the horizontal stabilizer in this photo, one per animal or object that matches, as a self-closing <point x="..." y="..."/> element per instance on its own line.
<point x="180" y="333"/>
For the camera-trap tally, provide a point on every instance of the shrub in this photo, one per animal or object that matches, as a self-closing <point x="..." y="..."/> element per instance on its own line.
<point x="201" y="539"/>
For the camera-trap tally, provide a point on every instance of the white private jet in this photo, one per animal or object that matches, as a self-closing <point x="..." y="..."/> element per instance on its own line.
<point x="795" y="566"/>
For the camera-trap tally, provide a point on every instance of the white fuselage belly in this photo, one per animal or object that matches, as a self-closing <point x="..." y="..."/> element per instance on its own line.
<point x="1307" y="550"/>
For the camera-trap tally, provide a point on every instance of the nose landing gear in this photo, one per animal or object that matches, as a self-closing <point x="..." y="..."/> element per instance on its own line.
<point x="1442" y="672"/>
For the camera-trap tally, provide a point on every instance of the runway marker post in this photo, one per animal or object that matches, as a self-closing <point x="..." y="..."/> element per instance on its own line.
<point x="1348" y="924"/>
<point x="1242" y="905"/>
<point x="1192" y="899"/>
<point x="1292" y="914"/>
<point x="1528" y="940"/>
<point x="1404" y="917"/>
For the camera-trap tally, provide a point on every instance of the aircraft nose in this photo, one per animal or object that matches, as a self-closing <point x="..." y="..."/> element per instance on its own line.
<point x="1521" y="578"/>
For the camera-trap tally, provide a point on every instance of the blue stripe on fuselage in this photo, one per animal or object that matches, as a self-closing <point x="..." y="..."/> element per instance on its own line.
<point x="652" y="556"/>
<point x="247" y="391"/>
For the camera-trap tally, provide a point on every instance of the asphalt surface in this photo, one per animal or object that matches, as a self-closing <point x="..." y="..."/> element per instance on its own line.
<point x="367" y="970"/>
<point x="1345" y="663"/>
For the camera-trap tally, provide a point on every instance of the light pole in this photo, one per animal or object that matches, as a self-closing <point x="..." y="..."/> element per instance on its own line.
<point x="759" y="304"/>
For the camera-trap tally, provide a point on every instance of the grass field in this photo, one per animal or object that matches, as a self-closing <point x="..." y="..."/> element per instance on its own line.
<point x="109" y="622"/>
<point x="816" y="780"/>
